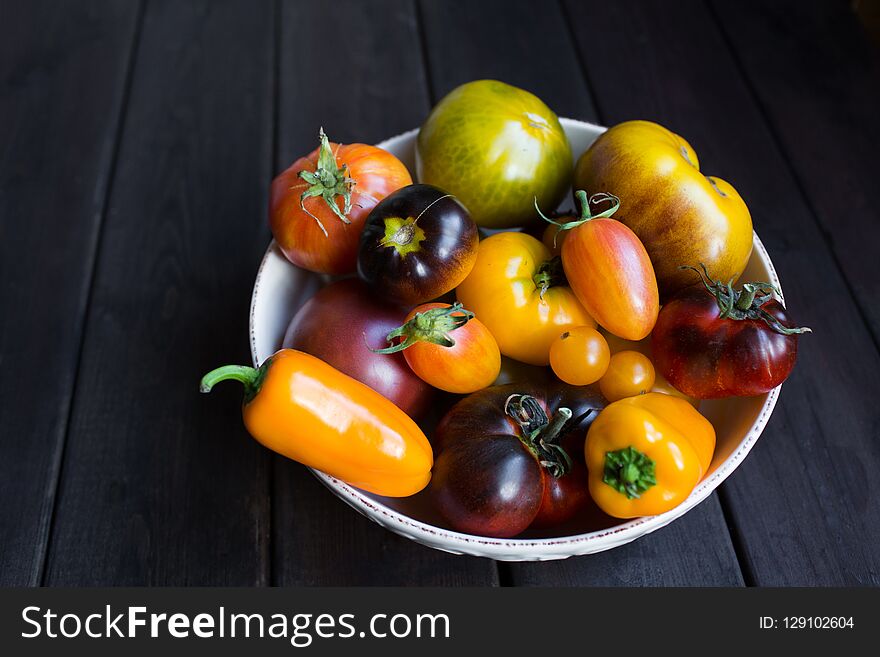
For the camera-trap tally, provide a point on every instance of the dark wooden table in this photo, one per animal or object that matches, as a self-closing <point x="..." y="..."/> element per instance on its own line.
<point x="137" y="142"/>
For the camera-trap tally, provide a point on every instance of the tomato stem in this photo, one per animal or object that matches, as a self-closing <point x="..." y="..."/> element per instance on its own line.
<point x="539" y="434"/>
<point x="585" y="214"/>
<point x="327" y="181"/>
<point x="432" y="326"/>
<point x="745" y="303"/>
<point x="549" y="274"/>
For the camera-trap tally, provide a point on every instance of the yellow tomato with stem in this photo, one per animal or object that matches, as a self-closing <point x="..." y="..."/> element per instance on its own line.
<point x="518" y="290"/>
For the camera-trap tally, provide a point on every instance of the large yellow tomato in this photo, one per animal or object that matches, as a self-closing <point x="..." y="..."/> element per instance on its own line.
<point x="682" y="216"/>
<point x="518" y="290"/>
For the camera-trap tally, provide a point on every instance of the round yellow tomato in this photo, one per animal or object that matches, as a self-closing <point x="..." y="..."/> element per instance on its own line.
<point x="629" y="374"/>
<point x="517" y="289"/>
<point x="580" y="356"/>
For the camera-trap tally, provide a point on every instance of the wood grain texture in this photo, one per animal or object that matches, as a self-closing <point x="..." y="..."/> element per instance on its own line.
<point x="817" y="80"/>
<point x="56" y="154"/>
<point x="647" y="561"/>
<point x="801" y="502"/>
<point x="370" y="85"/>
<point x="162" y="486"/>
<point x="533" y="49"/>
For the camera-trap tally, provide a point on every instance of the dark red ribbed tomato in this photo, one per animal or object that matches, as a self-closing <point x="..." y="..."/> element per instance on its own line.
<point x="498" y="466"/>
<point x="711" y="341"/>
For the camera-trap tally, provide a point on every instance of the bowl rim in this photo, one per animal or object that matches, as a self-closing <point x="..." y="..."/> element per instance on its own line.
<point x="518" y="549"/>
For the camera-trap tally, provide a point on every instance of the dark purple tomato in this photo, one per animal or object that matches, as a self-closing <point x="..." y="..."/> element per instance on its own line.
<point x="748" y="349"/>
<point x="567" y="496"/>
<point x="340" y="324"/>
<point x="496" y="451"/>
<point x="417" y="244"/>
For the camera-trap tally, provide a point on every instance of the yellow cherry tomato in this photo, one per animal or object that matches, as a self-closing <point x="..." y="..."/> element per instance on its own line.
<point x="629" y="373"/>
<point x="580" y="356"/>
<point x="517" y="289"/>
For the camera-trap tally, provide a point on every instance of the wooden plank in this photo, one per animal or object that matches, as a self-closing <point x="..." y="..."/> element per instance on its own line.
<point x="162" y="486"/>
<point x="63" y="69"/>
<point x="801" y="503"/>
<point x="817" y="78"/>
<point x="532" y="49"/>
<point x="363" y="81"/>
<point x="647" y="562"/>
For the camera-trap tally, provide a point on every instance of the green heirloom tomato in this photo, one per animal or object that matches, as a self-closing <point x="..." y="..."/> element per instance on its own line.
<point x="496" y="148"/>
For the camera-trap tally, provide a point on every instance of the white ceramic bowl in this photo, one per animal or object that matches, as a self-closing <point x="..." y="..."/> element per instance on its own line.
<point x="281" y="288"/>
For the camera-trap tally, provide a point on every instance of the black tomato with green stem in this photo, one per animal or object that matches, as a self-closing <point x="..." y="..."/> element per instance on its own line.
<point x="418" y="244"/>
<point x="510" y="457"/>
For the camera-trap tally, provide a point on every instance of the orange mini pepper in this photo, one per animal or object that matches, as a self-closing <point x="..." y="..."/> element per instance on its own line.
<point x="303" y="408"/>
<point x="645" y="454"/>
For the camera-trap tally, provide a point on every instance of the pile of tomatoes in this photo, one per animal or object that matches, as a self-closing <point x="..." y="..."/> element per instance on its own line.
<point x="549" y="325"/>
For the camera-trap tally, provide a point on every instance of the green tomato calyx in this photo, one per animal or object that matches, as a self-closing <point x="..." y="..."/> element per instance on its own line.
<point x="433" y="326"/>
<point x="586" y="215"/>
<point x="549" y="274"/>
<point x="745" y="303"/>
<point x="404" y="235"/>
<point x="327" y="181"/>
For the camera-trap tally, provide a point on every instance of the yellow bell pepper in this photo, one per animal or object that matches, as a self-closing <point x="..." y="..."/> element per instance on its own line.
<point x="645" y="454"/>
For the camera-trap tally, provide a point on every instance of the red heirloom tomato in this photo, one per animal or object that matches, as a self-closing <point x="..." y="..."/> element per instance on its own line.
<point x="447" y="347"/>
<point x="339" y="324"/>
<point x="498" y="451"/>
<point x="609" y="270"/>
<point x="712" y="341"/>
<point x="317" y="207"/>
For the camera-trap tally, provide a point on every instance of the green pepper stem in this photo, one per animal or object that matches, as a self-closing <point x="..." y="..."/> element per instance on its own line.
<point x="252" y="378"/>
<point x="629" y="471"/>
<point x="242" y="373"/>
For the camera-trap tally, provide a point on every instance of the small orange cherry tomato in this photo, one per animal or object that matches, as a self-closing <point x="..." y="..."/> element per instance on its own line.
<point x="447" y="347"/>
<point x="629" y="374"/>
<point x="580" y="356"/>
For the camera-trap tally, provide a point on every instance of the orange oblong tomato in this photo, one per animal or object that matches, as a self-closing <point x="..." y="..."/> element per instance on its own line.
<point x="318" y="207"/>
<point x="303" y="408"/>
<point x="517" y="288"/>
<point x="609" y="270"/>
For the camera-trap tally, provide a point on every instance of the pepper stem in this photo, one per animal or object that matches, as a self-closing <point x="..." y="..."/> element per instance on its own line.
<point x="250" y="377"/>
<point x="432" y="326"/>
<point x="629" y="471"/>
